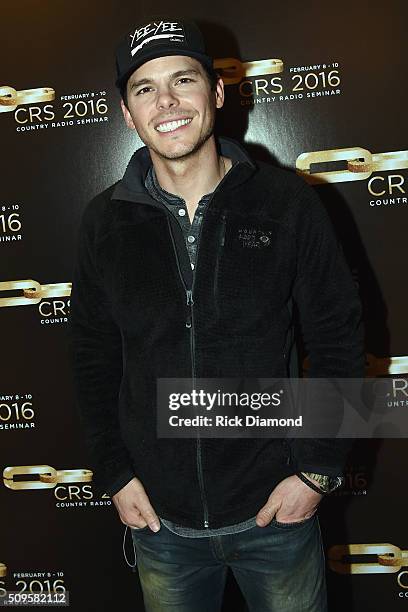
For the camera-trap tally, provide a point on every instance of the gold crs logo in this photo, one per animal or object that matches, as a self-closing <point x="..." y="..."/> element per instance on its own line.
<point x="10" y="98"/>
<point x="232" y="70"/>
<point x="3" y="570"/>
<point x="31" y="292"/>
<point x="380" y="366"/>
<point x="47" y="476"/>
<point x="381" y="558"/>
<point x="360" y="162"/>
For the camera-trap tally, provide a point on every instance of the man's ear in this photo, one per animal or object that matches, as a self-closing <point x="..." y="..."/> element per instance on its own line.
<point x="219" y="93"/>
<point x="127" y="116"/>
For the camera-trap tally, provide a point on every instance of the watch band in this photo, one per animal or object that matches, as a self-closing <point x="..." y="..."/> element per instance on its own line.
<point x="310" y="484"/>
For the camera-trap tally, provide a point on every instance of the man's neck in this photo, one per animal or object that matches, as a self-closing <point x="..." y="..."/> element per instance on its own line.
<point x="193" y="177"/>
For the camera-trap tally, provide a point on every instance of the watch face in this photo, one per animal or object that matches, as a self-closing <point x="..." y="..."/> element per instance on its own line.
<point x="333" y="484"/>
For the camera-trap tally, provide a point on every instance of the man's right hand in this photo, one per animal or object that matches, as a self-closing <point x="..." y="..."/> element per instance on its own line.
<point x="134" y="506"/>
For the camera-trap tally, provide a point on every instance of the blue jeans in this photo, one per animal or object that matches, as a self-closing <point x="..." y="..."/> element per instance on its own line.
<point x="279" y="567"/>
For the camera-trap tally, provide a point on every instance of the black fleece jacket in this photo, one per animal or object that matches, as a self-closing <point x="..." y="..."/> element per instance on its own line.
<point x="132" y="321"/>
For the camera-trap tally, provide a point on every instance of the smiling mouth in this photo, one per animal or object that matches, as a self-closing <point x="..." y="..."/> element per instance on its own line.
<point x="171" y="126"/>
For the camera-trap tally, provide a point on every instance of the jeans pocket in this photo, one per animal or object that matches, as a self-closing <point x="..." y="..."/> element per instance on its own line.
<point x="139" y="529"/>
<point x="293" y="525"/>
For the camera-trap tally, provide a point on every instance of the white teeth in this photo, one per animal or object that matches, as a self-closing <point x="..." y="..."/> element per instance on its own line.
<point x="172" y="125"/>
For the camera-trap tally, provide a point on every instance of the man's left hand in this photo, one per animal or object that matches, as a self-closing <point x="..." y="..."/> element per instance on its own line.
<point x="290" y="501"/>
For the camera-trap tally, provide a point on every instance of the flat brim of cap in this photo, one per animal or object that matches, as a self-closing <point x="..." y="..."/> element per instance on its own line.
<point x="201" y="57"/>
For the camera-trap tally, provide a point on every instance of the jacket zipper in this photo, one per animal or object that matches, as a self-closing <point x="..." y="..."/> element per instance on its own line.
<point x="190" y="303"/>
<point x="190" y="325"/>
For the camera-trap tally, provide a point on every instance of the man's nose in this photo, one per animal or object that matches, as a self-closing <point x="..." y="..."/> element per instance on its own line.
<point x="166" y="99"/>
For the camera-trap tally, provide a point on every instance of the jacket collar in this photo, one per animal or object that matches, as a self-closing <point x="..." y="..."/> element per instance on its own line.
<point x="132" y="189"/>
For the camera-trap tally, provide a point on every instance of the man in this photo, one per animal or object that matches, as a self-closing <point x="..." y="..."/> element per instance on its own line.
<point x="167" y="284"/>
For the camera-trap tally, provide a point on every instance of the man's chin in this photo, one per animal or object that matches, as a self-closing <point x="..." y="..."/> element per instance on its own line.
<point x="175" y="150"/>
<point x="178" y="155"/>
<point x="178" y="150"/>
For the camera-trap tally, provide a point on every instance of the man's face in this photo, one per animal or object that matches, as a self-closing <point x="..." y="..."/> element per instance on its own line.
<point x="171" y="105"/>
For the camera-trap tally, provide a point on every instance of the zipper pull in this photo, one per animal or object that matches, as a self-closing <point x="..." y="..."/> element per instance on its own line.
<point x="189" y="297"/>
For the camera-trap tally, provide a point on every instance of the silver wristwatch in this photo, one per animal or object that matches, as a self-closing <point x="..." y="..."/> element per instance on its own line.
<point x="327" y="484"/>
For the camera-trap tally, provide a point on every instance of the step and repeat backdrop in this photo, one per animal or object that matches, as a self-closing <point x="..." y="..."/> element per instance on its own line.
<point x="315" y="87"/>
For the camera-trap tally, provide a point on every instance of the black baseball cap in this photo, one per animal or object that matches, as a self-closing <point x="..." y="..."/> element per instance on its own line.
<point x="158" y="37"/>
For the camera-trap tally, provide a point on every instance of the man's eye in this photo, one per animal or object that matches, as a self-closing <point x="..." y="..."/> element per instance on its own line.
<point x="143" y="90"/>
<point x="185" y="79"/>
